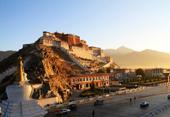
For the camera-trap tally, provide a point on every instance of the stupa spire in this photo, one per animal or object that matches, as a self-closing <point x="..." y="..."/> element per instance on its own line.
<point x="19" y="75"/>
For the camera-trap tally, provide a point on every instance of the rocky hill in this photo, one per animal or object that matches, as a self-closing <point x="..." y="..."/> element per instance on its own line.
<point x="45" y="65"/>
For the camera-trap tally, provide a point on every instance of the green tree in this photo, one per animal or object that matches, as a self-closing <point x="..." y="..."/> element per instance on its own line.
<point x="140" y="72"/>
<point x="92" y="86"/>
<point x="102" y="71"/>
<point x="145" y="79"/>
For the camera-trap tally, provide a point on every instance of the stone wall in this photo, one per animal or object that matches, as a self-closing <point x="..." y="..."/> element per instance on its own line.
<point x="8" y="72"/>
<point x="81" y="52"/>
<point x="61" y="44"/>
<point x="74" y="59"/>
<point x="106" y="65"/>
<point x="43" y="102"/>
<point x="98" y="59"/>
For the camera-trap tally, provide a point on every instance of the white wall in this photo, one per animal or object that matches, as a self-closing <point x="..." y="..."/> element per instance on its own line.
<point x="45" y="101"/>
<point x="81" y="52"/>
<point x="74" y="59"/>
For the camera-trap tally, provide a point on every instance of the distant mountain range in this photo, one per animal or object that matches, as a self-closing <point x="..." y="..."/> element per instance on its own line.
<point x="5" y="54"/>
<point x="129" y="58"/>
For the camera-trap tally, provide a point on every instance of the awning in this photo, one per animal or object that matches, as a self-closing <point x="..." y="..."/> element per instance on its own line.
<point x="81" y="83"/>
<point x="97" y="81"/>
<point x="107" y="80"/>
<point x="74" y="84"/>
<point x="88" y="82"/>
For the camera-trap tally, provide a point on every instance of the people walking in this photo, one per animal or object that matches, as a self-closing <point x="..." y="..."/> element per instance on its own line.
<point x="93" y="113"/>
<point x="134" y="98"/>
<point x="130" y="99"/>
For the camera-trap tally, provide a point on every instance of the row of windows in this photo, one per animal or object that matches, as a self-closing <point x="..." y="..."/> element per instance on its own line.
<point x="157" y="71"/>
<point x="89" y="79"/>
<point x="88" y="85"/>
<point x="48" y="41"/>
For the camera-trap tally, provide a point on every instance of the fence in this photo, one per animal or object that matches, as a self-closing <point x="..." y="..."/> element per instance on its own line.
<point x="90" y="99"/>
<point x="156" y="111"/>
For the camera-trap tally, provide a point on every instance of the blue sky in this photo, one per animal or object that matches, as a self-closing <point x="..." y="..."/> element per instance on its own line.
<point x="109" y="24"/>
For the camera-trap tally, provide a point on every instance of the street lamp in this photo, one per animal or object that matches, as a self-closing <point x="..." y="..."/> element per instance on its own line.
<point x="139" y="78"/>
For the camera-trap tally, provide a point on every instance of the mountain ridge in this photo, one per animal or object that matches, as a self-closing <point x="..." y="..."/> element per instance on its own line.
<point x="5" y="54"/>
<point x="145" y="59"/>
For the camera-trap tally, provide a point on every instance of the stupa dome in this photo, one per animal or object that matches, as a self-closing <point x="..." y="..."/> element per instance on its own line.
<point x="18" y="92"/>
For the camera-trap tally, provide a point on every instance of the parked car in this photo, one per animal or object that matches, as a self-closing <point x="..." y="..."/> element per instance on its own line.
<point x="72" y="106"/>
<point x="98" y="102"/>
<point x="144" y="103"/>
<point x="63" y="111"/>
<point x="46" y="107"/>
<point x="168" y="96"/>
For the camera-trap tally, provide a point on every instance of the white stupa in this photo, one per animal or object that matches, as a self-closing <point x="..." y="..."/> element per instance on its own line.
<point x="19" y="103"/>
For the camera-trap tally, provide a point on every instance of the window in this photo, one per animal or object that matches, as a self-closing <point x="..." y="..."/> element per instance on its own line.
<point x="73" y="80"/>
<point x="86" y="85"/>
<point x="83" y="79"/>
<point x="86" y="79"/>
<point x="80" y="79"/>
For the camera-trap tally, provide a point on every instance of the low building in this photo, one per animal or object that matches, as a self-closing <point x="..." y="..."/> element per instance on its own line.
<point x="158" y="71"/>
<point x="124" y="71"/>
<point x="84" y="81"/>
<point x="114" y="77"/>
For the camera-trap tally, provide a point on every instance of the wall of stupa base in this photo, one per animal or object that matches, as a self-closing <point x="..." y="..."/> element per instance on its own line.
<point x="43" y="102"/>
<point x="24" y="108"/>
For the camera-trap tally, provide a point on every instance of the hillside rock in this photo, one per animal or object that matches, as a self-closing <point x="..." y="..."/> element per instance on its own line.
<point x="45" y="66"/>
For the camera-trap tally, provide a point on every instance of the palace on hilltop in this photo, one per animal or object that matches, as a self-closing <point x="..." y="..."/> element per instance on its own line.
<point x="73" y="45"/>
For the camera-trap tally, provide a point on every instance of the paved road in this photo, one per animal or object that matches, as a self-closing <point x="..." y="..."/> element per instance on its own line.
<point x="120" y="105"/>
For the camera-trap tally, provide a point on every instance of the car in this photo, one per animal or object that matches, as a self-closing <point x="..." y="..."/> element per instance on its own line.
<point x="46" y="107"/>
<point x="72" y="106"/>
<point x="63" y="111"/>
<point x="98" y="102"/>
<point x="168" y="96"/>
<point x="144" y="103"/>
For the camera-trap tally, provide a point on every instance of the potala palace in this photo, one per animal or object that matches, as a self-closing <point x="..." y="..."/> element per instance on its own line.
<point x="74" y="45"/>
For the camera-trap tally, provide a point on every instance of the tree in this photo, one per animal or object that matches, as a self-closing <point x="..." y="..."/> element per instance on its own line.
<point x="102" y="71"/>
<point x="108" y="70"/>
<point x="92" y="86"/>
<point x="140" y="72"/>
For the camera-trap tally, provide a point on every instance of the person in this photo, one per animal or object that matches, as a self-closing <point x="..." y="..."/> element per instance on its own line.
<point x="93" y="113"/>
<point x="135" y="98"/>
<point x="130" y="99"/>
